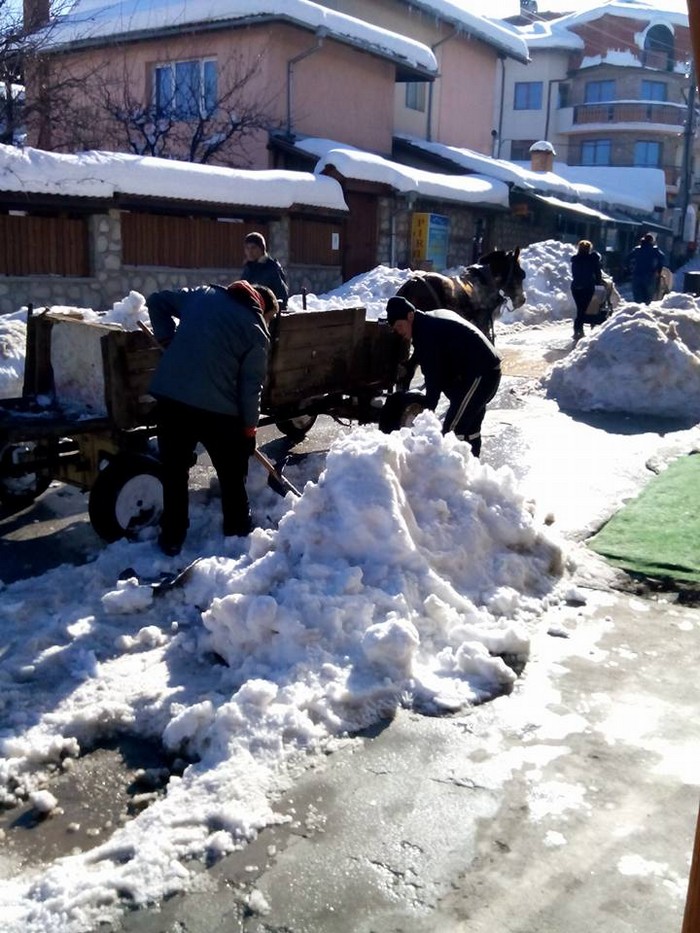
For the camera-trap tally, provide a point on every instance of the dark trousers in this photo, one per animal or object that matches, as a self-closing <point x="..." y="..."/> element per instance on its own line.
<point x="180" y="428"/>
<point x="467" y="408"/>
<point x="582" y="298"/>
<point x="643" y="290"/>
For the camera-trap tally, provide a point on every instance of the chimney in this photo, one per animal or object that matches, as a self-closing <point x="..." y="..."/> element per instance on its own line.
<point x="37" y="13"/>
<point x="542" y="156"/>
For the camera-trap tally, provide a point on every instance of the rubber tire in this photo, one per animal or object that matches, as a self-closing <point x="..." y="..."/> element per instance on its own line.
<point x="126" y="497"/>
<point x="400" y="410"/>
<point x="297" y="428"/>
<point x="14" y="491"/>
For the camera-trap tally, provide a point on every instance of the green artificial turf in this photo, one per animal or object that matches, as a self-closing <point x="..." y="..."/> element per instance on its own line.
<point x="658" y="534"/>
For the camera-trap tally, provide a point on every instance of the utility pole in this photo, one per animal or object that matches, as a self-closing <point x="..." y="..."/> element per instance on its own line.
<point x="687" y="164"/>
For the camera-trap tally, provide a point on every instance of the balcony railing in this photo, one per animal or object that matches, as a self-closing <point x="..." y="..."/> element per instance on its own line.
<point x="630" y="112"/>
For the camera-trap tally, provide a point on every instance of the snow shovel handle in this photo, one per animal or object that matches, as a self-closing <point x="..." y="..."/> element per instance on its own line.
<point x="274" y="473"/>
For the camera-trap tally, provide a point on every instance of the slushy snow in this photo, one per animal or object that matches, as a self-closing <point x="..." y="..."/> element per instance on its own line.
<point x="408" y="574"/>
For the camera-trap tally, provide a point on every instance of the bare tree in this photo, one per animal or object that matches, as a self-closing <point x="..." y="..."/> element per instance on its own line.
<point x="23" y="46"/>
<point x="11" y="83"/>
<point x="190" y="114"/>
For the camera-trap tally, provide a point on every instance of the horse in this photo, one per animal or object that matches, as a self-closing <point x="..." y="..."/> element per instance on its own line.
<point x="477" y="294"/>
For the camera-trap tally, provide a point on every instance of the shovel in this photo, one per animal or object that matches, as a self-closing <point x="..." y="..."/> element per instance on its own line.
<point x="276" y="480"/>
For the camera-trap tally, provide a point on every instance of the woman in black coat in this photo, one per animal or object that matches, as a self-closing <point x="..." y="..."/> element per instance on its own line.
<point x="586" y="273"/>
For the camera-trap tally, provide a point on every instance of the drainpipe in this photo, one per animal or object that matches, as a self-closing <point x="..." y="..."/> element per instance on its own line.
<point x="410" y="204"/>
<point x="683" y="196"/>
<point x="320" y="35"/>
<point x="501" y="102"/>
<point x="429" y="117"/>
<point x="549" y="104"/>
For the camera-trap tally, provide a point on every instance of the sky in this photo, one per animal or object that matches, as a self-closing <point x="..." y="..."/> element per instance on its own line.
<point x="355" y="598"/>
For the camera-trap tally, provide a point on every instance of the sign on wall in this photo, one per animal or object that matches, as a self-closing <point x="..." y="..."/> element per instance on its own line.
<point x="429" y="235"/>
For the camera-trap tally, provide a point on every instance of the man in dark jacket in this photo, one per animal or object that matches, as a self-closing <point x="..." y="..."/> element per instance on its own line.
<point x="456" y="360"/>
<point x="645" y="263"/>
<point x="208" y="386"/>
<point x="261" y="269"/>
<point x="586" y="273"/>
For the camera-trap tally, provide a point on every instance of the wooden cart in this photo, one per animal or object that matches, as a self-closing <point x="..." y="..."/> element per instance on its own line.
<point x="327" y="362"/>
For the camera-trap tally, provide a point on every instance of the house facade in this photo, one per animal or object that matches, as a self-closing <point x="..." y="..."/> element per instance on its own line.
<point x="167" y="83"/>
<point x="610" y="86"/>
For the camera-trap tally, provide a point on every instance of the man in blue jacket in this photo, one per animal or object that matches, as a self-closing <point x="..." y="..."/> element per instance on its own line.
<point x="208" y="386"/>
<point x="456" y="360"/>
<point x="645" y="262"/>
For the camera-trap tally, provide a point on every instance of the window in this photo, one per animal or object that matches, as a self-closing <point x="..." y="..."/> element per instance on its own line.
<point x="564" y="95"/>
<point x="528" y="95"/>
<point x="186" y="90"/>
<point x="595" y="152"/>
<point x="598" y="92"/>
<point x="520" y="149"/>
<point x="658" y="48"/>
<point x="653" y="90"/>
<point x="415" y="95"/>
<point x="647" y="153"/>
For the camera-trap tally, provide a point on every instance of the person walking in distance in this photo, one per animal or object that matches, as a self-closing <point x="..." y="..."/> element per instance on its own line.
<point x="586" y="273"/>
<point x="261" y="269"/>
<point x="456" y="360"/>
<point x="208" y="388"/>
<point x="645" y="263"/>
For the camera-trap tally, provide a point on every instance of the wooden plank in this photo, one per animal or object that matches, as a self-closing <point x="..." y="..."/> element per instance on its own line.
<point x="313" y="355"/>
<point x="691" y="915"/>
<point x="289" y="322"/>
<point x="129" y="361"/>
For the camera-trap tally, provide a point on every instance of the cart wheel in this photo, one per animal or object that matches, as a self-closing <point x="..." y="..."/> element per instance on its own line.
<point x="126" y="497"/>
<point x="297" y="428"/>
<point x="18" y="491"/>
<point x="400" y="411"/>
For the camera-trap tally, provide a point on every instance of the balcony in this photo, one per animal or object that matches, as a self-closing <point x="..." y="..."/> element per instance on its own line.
<point x="630" y="111"/>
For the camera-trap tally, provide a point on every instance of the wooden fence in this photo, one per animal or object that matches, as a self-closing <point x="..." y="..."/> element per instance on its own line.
<point x="38" y="245"/>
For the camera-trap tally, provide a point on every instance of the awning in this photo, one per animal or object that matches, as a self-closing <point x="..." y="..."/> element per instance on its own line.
<point x="591" y="213"/>
<point x="575" y="208"/>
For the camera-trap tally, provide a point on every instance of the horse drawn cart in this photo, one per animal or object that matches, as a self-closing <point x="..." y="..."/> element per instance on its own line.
<point x="85" y="416"/>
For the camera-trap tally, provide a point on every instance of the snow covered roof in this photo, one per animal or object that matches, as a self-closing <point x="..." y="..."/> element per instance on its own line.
<point x="639" y="189"/>
<point x="626" y="187"/>
<point x="105" y="174"/>
<point x="508" y="172"/>
<point x="667" y="11"/>
<point x="95" y="21"/>
<point x="367" y="166"/>
<point x="500" y="35"/>
<point x="557" y="34"/>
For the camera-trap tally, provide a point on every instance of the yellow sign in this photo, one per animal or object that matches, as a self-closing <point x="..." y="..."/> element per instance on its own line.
<point x="419" y="238"/>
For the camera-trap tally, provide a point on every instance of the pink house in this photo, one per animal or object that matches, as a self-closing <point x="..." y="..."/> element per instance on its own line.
<point x="357" y="71"/>
<point x="307" y="70"/>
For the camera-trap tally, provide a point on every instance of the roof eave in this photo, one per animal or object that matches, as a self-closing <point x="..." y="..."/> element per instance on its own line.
<point x="408" y="71"/>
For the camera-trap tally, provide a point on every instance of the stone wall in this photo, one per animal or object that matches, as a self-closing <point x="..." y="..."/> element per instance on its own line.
<point x="395" y="215"/>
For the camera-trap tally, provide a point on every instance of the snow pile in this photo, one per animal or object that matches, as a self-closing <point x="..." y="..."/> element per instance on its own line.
<point x="547" y="268"/>
<point x="643" y="360"/>
<point x="13" y="336"/>
<point x="366" y="597"/>
<point x="370" y="290"/>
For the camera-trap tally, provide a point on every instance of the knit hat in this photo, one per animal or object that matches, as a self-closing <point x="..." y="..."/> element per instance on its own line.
<point x="257" y="239"/>
<point x="247" y="295"/>
<point x="397" y="309"/>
